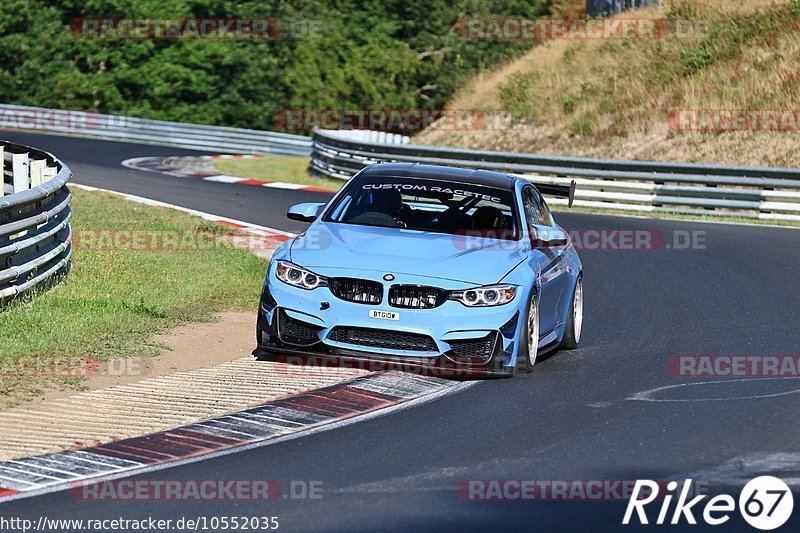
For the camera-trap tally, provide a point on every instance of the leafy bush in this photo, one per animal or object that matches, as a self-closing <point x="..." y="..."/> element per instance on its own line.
<point x="397" y="54"/>
<point x="569" y="103"/>
<point x="518" y="95"/>
<point x="582" y="125"/>
<point x="696" y="59"/>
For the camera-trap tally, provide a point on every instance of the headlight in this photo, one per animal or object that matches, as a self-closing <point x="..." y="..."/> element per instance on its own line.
<point x="485" y="296"/>
<point x="299" y="277"/>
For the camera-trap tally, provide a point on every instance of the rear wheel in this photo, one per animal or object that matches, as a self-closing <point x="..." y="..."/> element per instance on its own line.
<point x="529" y="338"/>
<point x="572" y="334"/>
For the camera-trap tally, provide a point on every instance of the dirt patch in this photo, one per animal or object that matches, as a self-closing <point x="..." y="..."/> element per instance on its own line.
<point x="187" y="347"/>
<point x="204" y="371"/>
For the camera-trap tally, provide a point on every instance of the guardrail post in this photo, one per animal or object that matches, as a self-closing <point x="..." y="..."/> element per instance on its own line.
<point x="48" y="173"/>
<point x="36" y="168"/>
<point x="19" y="167"/>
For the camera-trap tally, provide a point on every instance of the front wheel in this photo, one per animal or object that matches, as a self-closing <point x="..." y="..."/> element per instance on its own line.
<point x="572" y="334"/>
<point x="529" y="338"/>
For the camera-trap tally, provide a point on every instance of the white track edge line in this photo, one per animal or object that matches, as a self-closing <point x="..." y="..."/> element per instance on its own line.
<point x="202" y="214"/>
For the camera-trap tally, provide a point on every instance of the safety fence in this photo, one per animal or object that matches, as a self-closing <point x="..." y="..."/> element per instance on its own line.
<point x="217" y="139"/>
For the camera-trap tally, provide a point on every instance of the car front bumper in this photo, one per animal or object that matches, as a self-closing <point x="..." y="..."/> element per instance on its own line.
<point x="459" y="340"/>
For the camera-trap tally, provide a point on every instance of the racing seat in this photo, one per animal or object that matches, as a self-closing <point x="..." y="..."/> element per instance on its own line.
<point x="384" y="208"/>
<point x="488" y="218"/>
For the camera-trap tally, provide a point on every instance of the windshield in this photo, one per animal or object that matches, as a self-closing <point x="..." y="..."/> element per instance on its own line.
<point x="427" y="205"/>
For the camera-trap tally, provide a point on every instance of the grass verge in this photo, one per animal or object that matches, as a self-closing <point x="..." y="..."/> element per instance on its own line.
<point x="285" y="169"/>
<point x="116" y="298"/>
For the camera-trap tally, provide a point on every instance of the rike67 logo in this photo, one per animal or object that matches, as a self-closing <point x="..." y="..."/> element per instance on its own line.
<point x="765" y="503"/>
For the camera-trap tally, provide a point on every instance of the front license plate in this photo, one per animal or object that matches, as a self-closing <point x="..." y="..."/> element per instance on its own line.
<point x="384" y="315"/>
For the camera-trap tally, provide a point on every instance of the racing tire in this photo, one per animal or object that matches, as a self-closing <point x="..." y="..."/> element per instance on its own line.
<point x="528" y="347"/>
<point x="572" y="332"/>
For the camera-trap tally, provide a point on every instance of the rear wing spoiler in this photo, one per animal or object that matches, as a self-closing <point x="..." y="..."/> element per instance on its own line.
<point x="564" y="191"/>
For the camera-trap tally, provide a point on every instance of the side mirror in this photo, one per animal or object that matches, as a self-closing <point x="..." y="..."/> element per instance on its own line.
<point x="548" y="237"/>
<point x="305" y="212"/>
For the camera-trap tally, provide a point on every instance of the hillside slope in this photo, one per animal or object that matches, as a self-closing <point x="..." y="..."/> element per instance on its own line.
<point x="728" y="92"/>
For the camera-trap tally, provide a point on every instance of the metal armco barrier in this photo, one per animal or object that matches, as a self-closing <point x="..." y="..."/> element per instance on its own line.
<point x="763" y="193"/>
<point x="34" y="219"/>
<point x="145" y="131"/>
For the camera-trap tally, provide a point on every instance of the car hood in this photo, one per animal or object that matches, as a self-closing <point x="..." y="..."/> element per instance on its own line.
<point x="393" y="250"/>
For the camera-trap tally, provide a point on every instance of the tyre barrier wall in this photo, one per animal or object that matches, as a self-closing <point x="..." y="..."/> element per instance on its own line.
<point x="35" y="239"/>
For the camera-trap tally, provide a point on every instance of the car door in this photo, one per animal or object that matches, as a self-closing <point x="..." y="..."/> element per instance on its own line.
<point x="561" y="274"/>
<point x="545" y="260"/>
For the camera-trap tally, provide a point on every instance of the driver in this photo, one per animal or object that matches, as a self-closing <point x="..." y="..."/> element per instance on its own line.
<point x="488" y="218"/>
<point x="388" y="201"/>
<point x="382" y="205"/>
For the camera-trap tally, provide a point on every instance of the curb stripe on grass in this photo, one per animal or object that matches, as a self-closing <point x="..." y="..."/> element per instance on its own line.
<point x="163" y="165"/>
<point x="272" y="236"/>
<point x="232" y="222"/>
<point x="267" y="421"/>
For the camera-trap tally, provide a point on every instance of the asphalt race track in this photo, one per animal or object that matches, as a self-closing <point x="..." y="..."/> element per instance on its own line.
<point x="97" y="163"/>
<point x="571" y="419"/>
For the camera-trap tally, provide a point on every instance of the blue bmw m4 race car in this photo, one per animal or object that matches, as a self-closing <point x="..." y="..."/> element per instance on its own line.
<point x="440" y="269"/>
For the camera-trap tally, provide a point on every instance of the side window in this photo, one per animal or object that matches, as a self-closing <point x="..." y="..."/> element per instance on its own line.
<point x="547" y="217"/>
<point x="533" y="211"/>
